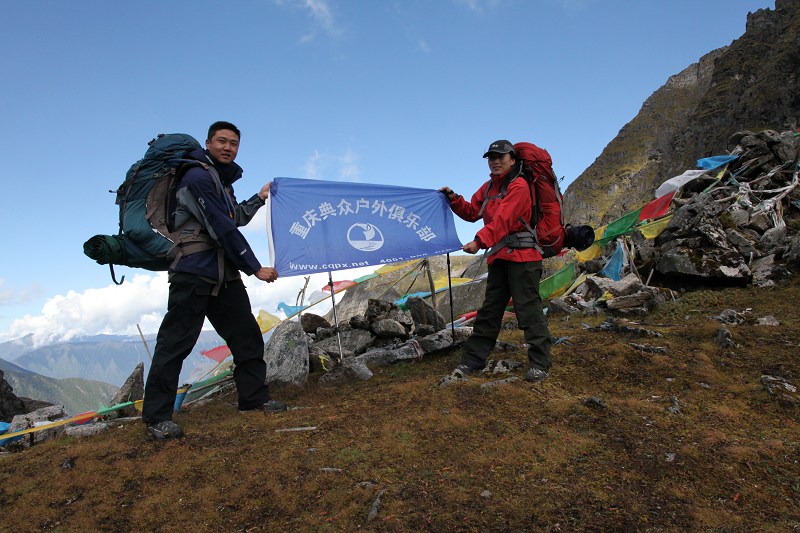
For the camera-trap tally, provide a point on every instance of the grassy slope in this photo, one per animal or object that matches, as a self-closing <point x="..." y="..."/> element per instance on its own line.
<point x="727" y="462"/>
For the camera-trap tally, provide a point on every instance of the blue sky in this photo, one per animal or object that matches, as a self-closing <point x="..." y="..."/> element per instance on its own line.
<point x="395" y="92"/>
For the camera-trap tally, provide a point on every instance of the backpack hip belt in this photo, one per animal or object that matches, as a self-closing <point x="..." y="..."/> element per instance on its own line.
<point x="515" y="241"/>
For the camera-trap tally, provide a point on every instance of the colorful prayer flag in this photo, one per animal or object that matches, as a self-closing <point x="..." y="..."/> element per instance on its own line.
<point x="557" y="283"/>
<point x="620" y="226"/>
<point x="656" y="208"/>
<point x="654" y="229"/>
<point x="339" y="286"/>
<point x="266" y="321"/>
<point x="218" y="354"/>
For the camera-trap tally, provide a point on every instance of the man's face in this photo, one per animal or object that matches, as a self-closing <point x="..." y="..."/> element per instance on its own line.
<point x="223" y="146"/>
<point x="499" y="164"/>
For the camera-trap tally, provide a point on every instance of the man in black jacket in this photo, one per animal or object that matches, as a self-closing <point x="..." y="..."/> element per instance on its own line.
<point x="208" y="284"/>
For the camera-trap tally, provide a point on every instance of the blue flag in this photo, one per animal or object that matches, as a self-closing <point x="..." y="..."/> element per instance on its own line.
<point x="321" y="226"/>
<point x="716" y="161"/>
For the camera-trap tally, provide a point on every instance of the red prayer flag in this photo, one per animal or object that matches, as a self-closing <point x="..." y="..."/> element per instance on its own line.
<point x="218" y="354"/>
<point x="339" y="286"/>
<point x="84" y="418"/>
<point x="657" y="207"/>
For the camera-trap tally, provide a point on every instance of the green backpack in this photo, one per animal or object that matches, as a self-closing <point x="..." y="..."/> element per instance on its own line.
<point x="145" y="238"/>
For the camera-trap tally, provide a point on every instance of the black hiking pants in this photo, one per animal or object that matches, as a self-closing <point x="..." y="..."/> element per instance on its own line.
<point x="190" y="302"/>
<point x="520" y="281"/>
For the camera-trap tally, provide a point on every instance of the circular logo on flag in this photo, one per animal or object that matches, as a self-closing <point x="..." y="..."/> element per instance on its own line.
<point x="364" y="237"/>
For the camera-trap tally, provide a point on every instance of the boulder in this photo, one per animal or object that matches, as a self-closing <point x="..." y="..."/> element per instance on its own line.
<point x="423" y="330"/>
<point x="557" y="306"/>
<point x="10" y="404"/>
<point x="725" y="266"/>
<point x="286" y="354"/>
<point x="792" y="254"/>
<point x="714" y="235"/>
<point x="131" y="390"/>
<point x="85" y="430"/>
<point x="423" y="314"/>
<point x="646" y="251"/>
<point x="38" y="418"/>
<point x="742" y="243"/>
<point x="310" y="322"/>
<point x="739" y="217"/>
<point x="318" y="359"/>
<point x="630" y="284"/>
<point x="645" y="298"/>
<point x="781" y="390"/>
<point x="759" y="221"/>
<point x="351" y="369"/>
<point x="359" y="322"/>
<point x="766" y="271"/>
<point x="387" y="328"/>
<point x="353" y="340"/>
<point x="700" y="208"/>
<point x="772" y="240"/>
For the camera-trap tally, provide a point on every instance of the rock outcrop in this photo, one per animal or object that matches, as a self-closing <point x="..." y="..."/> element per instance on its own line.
<point x="10" y="405"/>
<point x="752" y="84"/>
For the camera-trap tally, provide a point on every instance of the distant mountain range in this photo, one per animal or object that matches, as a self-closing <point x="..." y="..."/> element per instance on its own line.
<point x="84" y="372"/>
<point x="76" y="395"/>
<point x="103" y="358"/>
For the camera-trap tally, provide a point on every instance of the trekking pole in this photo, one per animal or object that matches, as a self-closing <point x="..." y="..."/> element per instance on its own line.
<point x="450" y="292"/>
<point x="335" y="320"/>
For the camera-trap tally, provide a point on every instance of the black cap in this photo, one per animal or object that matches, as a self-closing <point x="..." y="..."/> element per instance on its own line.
<point x="501" y="147"/>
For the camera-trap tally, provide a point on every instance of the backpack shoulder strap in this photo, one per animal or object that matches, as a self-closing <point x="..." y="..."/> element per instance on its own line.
<point x="196" y="241"/>
<point x="514" y="173"/>
<point x="485" y="198"/>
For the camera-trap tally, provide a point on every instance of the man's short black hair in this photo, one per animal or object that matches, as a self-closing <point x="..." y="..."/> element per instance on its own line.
<point x="222" y="125"/>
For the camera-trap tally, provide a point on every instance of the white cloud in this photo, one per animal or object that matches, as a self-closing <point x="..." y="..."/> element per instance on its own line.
<point x="112" y="309"/>
<point x="142" y="300"/>
<point x="11" y="296"/>
<point x="320" y="13"/>
<point x="473" y="5"/>
<point x="480" y="5"/>
<point x="342" y="167"/>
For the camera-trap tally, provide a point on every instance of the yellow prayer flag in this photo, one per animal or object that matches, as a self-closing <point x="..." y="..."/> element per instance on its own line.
<point x="588" y="254"/>
<point x="652" y="230"/>
<point x="266" y="321"/>
<point x="385" y="269"/>
<point x="441" y="282"/>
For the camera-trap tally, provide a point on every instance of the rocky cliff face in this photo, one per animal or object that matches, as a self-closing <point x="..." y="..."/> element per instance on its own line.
<point x="752" y="84"/>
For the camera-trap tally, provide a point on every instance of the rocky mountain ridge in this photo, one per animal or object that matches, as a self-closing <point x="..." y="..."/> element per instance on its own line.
<point x="752" y="84"/>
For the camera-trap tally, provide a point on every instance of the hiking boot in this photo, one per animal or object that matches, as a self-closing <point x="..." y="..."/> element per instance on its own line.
<point x="534" y="375"/>
<point x="165" y="430"/>
<point x="270" y="406"/>
<point x="461" y="371"/>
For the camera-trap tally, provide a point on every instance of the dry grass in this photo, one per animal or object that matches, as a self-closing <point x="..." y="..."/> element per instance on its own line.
<point x="728" y="461"/>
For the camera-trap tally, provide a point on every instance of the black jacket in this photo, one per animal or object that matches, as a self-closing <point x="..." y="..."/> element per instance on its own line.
<point x="213" y="206"/>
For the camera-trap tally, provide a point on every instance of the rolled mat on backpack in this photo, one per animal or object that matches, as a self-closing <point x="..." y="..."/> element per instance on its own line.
<point x="105" y="249"/>
<point x="579" y="237"/>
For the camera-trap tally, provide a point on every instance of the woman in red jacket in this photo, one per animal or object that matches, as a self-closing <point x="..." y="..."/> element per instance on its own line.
<point x="513" y="272"/>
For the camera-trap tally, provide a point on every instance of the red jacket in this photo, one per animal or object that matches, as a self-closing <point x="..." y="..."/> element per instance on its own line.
<point x="500" y="217"/>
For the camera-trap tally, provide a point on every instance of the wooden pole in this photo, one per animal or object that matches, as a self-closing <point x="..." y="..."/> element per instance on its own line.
<point x="147" y="348"/>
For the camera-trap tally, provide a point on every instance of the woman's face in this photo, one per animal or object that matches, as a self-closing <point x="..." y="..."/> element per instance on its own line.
<point x="499" y="164"/>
